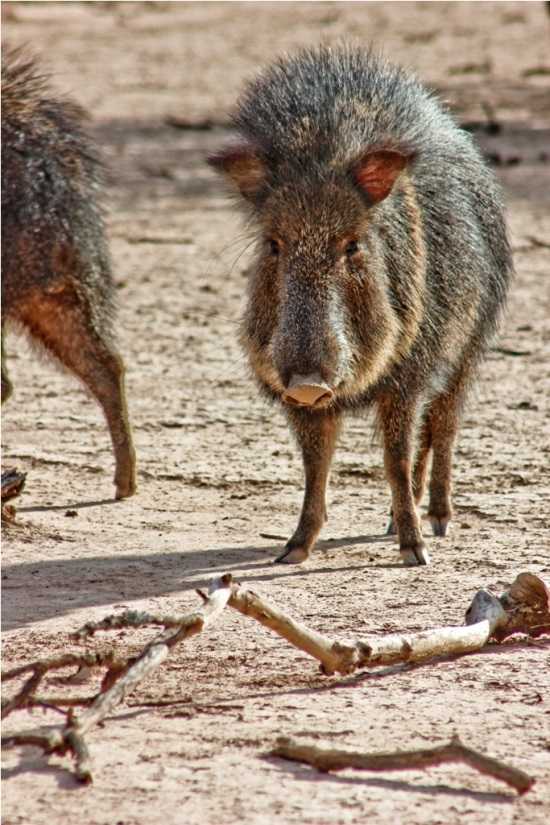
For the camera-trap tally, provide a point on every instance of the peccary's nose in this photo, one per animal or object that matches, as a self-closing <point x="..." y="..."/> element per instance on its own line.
<point x="307" y="390"/>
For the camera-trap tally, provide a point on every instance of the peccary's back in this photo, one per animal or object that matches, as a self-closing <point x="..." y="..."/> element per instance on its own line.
<point x="312" y="116"/>
<point x="329" y="104"/>
<point x="51" y="182"/>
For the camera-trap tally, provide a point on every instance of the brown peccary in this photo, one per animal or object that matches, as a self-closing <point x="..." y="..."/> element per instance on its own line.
<point x="381" y="268"/>
<point x="56" y="273"/>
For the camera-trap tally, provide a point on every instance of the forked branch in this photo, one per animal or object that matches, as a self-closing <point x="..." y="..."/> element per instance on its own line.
<point x="69" y="738"/>
<point x="524" y="608"/>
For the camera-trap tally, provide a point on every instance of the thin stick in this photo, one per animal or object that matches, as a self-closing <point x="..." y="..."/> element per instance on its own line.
<point x="524" y="608"/>
<point x="330" y="759"/>
<point x="70" y="738"/>
<point x="131" y="618"/>
<point x="65" y="660"/>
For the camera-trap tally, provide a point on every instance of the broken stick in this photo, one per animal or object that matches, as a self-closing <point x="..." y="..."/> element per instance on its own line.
<point x="524" y="608"/>
<point x="331" y="759"/>
<point x="12" y="483"/>
<point x="116" y="684"/>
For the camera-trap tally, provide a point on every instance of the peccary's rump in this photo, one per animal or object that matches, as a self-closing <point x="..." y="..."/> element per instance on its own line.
<point x="381" y="266"/>
<point x="56" y="273"/>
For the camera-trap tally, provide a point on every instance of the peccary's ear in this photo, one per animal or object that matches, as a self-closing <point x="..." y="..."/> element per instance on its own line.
<point x="243" y="166"/>
<point x="376" y="172"/>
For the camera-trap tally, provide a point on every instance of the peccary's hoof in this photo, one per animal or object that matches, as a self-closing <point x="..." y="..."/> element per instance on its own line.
<point x="414" y="556"/>
<point x="125" y="489"/>
<point x="439" y="525"/>
<point x="391" y="529"/>
<point x="292" y="555"/>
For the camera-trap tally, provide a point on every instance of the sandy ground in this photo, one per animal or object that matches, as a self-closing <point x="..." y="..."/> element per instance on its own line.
<point x="217" y="467"/>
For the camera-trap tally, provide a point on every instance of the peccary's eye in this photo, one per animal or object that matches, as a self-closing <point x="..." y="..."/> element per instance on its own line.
<point x="352" y="248"/>
<point x="274" y="246"/>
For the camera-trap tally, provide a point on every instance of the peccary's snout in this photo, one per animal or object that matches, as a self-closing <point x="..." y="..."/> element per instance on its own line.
<point x="307" y="391"/>
<point x="309" y="349"/>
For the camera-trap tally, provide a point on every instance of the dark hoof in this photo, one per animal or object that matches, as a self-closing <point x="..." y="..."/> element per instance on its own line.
<point x="391" y="529"/>
<point x="439" y="525"/>
<point x="414" y="556"/>
<point x="292" y="555"/>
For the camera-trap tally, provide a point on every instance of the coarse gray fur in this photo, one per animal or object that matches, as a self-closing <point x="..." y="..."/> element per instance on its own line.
<point x="57" y="284"/>
<point x="382" y="266"/>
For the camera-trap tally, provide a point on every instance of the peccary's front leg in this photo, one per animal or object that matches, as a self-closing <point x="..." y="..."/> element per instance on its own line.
<point x="397" y="422"/>
<point x="316" y="434"/>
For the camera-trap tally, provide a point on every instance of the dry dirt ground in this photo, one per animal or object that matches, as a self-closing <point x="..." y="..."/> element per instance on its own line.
<point x="217" y="468"/>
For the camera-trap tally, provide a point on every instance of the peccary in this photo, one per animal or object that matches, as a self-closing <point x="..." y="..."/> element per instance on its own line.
<point x="381" y="268"/>
<point x="57" y="283"/>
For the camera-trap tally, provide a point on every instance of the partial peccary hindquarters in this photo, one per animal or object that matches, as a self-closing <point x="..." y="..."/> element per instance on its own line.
<point x="381" y="268"/>
<point x="56" y="274"/>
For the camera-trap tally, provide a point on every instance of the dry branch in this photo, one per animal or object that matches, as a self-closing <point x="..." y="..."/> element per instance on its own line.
<point x="330" y="759"/>
<point x="12" y="483"/>
<point x="26" y="696"/>
<point x="131" y="618"/>
<point x="524" y="608"/>
<point x="70" y="737"/>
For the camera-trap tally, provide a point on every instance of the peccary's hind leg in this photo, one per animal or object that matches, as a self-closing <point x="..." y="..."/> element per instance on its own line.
<point x="420" y="470"/>
<point x="316" y="434"/>
<point x="444" y="419"/>
<point x="438" y="434"/>
<point x="7" y="386"/>
<point x="397" y="422"/>
<point x="63" y="322"/>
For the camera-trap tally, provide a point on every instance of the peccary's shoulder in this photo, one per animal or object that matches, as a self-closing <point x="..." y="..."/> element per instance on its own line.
<point x="329" y="104"/>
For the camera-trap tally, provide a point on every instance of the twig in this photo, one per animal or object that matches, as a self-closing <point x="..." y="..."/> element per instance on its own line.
<point x="57" y="662"/>
<point x="336" y="760"/>
<point x="538" y="241"/>
<point x="131" y="618"/>
<point x="70" y="737"/>
<point x="25" y="697"/>
<point x="12" y="484"/>
<point x="524" y="608"/>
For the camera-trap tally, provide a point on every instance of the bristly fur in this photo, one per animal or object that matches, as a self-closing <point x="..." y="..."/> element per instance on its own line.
<point x="56" y="272"/>
<point x="52" y="182"/>
<point x="382" y="263"/>
<point x="310" y="117"/>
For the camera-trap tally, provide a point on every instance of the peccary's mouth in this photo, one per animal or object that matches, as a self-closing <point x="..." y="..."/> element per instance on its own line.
<point x="307" y="391"/>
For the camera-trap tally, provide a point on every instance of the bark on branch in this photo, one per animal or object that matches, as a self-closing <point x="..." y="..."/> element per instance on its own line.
<point x="524" y="608"/>
<point x="330" y="759"/>
<point x="69" y="738"/>
<point x="12" y="483"/>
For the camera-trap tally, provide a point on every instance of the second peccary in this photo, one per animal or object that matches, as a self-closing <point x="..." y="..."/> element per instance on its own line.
<point x="56" y="273"/>
<point x="381" y="268"/>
